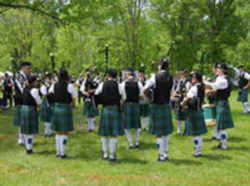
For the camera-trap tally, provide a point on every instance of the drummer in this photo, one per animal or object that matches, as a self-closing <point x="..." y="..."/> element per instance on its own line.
<point x="222" y="88"/>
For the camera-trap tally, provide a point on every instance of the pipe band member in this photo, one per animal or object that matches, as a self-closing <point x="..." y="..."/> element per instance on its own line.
<point x="222" y="88"/>
<point x="111" y="124"/>
<point x="161" y="124"/>
<point x="195" y="118"/>
<point x="62" y="119"/>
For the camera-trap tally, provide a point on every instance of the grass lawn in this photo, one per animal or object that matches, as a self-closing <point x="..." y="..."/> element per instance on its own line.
<point x="135" y="167"/>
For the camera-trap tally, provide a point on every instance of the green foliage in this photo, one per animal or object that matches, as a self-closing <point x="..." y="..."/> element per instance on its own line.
<point x="191" y="33"/>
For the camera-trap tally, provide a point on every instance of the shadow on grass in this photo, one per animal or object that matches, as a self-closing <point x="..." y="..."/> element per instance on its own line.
<point x="216" y="157"/>
<point x="131" y="161"/>
<point x="144" y="146"/>
<point x="240" y="148"/>
<point x="184" y="162"/>
<point x="236" y="139"/>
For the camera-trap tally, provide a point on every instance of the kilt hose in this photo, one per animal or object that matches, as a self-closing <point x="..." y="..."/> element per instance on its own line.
<point x="160" y="120"/>
<point x="46" y="111"/>
<point x="111" y="122"/>
<point x="62" y="118"/>
<point x="243" y="96"/>
<point x="131" y="116"/>
<point x="196" y="121"/>
<point x="223" y="115"/>
<point x="29" y="120"/>
<point x="17" y="115"/>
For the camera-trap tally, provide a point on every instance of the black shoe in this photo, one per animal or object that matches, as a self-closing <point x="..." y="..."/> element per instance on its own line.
<point x="197" y="155"/>
<point x="221" y="147"/>
<point x="103" y="157"/>
<point x="113" y="159"/>
<point x="137" y="146"/>
<point x="29" y="152"/>
<point x="58" y="156"/>
<point x="131" y="147"/>
<point x="64" y="156"/>
<point x="214" y="138"/>
<point x="162" y="158"/>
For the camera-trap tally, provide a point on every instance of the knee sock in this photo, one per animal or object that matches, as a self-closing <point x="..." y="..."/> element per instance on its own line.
<point x="28" y="142"/>
<point x="197" y="145"/>
<point x="245" y="107"/>
<point x="161" y="146"/>
<point x="179" y="130"/>
<point x="166" y="144"/>
<point x="216" y="132"/>
<point x="105" y="146"/>
<point x="58" y="150"/>
<point x="223" y="138"/>
<point x="92" y="126"/>
<point x="63" y="143"/>
<point x="20" y="137"/>
<point x="129" y="137"/>
<point x="145" y="122"/>
<point x="113" y="143"/>
<point x="137" y="136"/>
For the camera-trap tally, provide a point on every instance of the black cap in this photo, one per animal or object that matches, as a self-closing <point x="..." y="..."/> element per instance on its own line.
<point x="197" y="76"/>
<point x="32" y="79"/>
<point x="222" y="66"/>
<point x="112" y="72"/>
<point x="241" y="66"/>
<point x="25" y="64"/>
<point x="63" y="75"/>
<point x="130" y="69"/>
<point x="49" y="75"/>
<point x="164" y="63"/>
<point x="142" y="70"/>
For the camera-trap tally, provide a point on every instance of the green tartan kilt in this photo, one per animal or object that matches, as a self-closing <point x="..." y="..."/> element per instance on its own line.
<point x="243" y="96"/>
<point x="196" y="121"/>
<point x="160" y="120"/>
<point x="223" y="115"/>
<point x="17" y="115"/>
<point x="131" y="115"/>
<point x="29" y="120"/>
<point x="144" y="110"/>
<point x="46" y="112"/>
<point x="111" y="122"/>
<point x="90" y="110"/>
<point x="180" y="115"/>
<point x="62" y="118"/>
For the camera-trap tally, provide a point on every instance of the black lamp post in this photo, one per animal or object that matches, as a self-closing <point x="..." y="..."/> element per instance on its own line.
<point x="107" y="56"/>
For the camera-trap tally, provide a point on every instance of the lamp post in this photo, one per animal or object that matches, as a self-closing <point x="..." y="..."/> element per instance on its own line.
<point x="52" y="60"/>
<point x="107" y="56"/>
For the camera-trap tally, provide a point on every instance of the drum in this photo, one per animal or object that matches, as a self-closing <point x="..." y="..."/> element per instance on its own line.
<point x="209" y="114"/>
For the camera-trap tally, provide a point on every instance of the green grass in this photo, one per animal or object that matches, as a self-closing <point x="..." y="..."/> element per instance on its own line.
<point x="135" y="167"/>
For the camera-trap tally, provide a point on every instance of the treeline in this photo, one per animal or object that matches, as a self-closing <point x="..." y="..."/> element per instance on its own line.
<point x="77" y="34"/>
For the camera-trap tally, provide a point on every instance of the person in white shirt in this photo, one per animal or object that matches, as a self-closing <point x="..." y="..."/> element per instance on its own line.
<point x="161" y="124"/>
<point x="111" y="125"/>
<point x="195" y="118"/>
<point x="20" y="81"/>
<point x="131" y="90"/>
<point x="222" y="88"/>
<point x="244" y="84"/>
<point x="29" y="113"/>
<point x="90" y="110"/>
<point x="46" y="107"/>
<point x="62" y="119"/>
